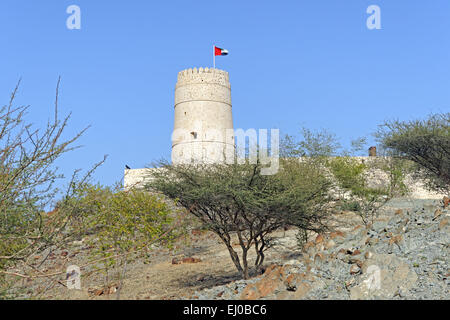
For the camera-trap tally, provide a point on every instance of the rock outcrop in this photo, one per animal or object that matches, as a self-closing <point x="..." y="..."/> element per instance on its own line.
<point x="402" y="255"/>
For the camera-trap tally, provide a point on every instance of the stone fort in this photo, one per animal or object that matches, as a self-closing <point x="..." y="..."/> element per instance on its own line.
<point x="203" y="122"/>
<point x="203" y="126"/>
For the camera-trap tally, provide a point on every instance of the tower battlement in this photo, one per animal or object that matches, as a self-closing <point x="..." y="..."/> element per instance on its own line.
<point x="203" y="75"/>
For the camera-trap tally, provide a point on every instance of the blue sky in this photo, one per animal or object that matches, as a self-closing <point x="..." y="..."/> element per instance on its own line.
<point x="291" y="63"/>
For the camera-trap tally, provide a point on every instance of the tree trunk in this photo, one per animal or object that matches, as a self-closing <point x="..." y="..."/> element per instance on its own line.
<point x="257" y="252"/>
<point x="260" y="255"/>
<point x="260" y="259"/>
<point x="234" y="256"/>
<point x="245" y="263"/>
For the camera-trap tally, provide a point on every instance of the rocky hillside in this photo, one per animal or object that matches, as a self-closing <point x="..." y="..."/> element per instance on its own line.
<point x="404" y="254"/>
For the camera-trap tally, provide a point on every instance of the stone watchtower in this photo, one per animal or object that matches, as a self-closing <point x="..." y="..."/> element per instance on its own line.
<point x="203" y="127"/>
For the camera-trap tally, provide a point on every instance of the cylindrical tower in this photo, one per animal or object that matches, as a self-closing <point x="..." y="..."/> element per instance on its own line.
<point x="203" y="128"/>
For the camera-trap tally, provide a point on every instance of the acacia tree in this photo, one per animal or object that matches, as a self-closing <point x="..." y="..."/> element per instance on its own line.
<point x="425" y="142"/>
<point x="236" y="199"/>
<point x="317" y="144"/>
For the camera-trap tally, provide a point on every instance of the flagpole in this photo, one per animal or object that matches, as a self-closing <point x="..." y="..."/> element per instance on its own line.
<point x="214" y="56"/>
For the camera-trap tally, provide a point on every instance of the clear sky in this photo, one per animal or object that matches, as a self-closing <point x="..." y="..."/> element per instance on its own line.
<point x="292" y="63"/>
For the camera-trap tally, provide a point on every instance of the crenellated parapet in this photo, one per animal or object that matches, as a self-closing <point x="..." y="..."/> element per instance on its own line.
<point x="203" y="75"/>
<point x="203" y="84"/>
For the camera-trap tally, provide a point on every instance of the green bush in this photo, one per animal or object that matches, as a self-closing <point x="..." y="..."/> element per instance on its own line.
<point x="352" y="177"/>
<point x="129" y="221"/>
<point x="120" y="225"/>
<point x="349" y="173"/>
<point x="347" y="205"/>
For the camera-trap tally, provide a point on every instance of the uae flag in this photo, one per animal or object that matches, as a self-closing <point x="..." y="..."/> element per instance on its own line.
<point x="220" y="51"/>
